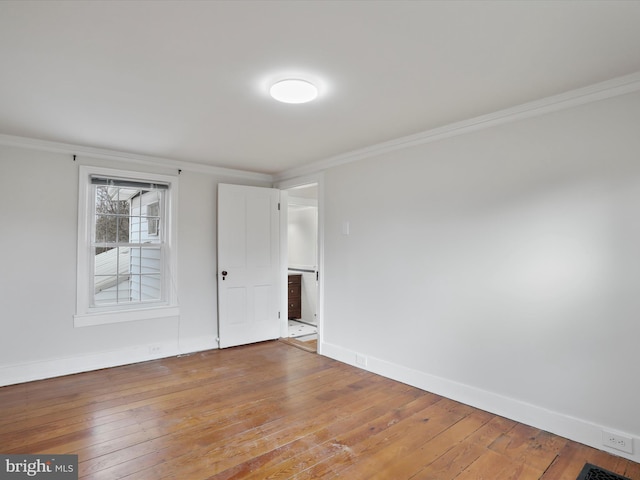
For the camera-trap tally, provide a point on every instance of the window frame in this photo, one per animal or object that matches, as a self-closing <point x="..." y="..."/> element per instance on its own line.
<point x="88" y="314"/>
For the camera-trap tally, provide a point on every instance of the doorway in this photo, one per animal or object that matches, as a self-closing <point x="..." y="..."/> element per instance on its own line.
<point x="303" y="266"/>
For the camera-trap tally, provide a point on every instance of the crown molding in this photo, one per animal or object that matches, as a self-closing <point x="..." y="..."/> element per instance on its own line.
<point x="104" y="154"/>
<point x="573" y="98"/>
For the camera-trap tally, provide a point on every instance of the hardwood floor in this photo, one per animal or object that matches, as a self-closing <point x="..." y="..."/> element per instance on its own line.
<point x="273" y="411"/>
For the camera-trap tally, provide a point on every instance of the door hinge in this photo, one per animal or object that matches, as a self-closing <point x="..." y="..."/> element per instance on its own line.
<point x="278" y="314"/>
<point x="278" y="205"/>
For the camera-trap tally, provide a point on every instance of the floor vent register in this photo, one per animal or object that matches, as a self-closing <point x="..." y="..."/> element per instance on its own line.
<point x="591" y="472"/>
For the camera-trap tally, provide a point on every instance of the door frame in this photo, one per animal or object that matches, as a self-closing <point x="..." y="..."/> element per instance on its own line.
<point x="283" y="185"/>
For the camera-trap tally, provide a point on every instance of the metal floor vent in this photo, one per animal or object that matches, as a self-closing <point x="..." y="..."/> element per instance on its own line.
<point x="591" y="472"/>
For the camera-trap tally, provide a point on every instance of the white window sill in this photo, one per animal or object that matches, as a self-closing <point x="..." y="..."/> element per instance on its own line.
<point x="102" y="318"/>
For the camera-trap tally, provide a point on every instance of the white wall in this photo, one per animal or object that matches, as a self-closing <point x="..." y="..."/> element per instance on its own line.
<point x="500" y="267"/>
<point x="38" y="241"/>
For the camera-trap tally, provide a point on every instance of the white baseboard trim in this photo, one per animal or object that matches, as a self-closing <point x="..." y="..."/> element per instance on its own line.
<point x="560" y="424"/>
<point x="27" y="372"/>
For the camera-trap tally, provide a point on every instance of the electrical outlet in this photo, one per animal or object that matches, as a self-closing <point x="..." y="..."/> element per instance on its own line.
<point x="617" y="441"/>
<point x="155" y="349"/>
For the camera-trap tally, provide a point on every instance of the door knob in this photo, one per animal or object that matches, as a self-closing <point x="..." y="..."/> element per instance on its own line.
<point x="224" y="274"/>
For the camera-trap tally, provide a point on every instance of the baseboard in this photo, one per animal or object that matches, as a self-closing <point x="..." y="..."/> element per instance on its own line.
<point x="27" y="372"/>
<point x="575" y="429"/>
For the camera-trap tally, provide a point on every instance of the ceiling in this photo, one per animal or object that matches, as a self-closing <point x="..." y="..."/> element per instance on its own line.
<point x="188" y="80"/>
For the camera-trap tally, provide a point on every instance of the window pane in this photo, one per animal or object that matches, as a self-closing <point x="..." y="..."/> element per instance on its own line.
<point x="106" y="261"/>
<point x="134" y="260"/>
<point x="124" y="196"/>
<point x="146" y="287"/>
<point x="146" y="260"/>
<point x="103" y="200"/>
<point x="134" y="229"/>
<point x="112" y="291"/>
<point x="105" y="290"/>
<point x="123" y="230"/>
<point x="109" y="200"/>
<point x="151" y="287"/>
<point x="100" y="229"/>
<point x="150" y="260"/>
<point x="106" y="229"/>
<point x="135" y="288"/>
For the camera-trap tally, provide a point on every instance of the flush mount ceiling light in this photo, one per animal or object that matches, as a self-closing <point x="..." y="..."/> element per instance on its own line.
<point x="294" y="90"/>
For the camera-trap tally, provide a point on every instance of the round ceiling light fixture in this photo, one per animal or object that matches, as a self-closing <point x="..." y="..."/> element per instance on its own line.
<point x="294" y="90"/>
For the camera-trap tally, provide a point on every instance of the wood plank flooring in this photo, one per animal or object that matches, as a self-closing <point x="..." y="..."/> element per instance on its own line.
<point x="272" y="411"/>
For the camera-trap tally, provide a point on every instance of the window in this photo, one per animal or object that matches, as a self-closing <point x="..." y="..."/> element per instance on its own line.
<point x="124" y="249"/>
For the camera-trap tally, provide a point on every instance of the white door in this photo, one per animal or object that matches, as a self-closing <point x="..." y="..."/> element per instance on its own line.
<point x="248" y="264"/>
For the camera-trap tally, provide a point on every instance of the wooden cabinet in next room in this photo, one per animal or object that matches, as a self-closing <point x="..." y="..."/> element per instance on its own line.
<point x="294" y="296"/>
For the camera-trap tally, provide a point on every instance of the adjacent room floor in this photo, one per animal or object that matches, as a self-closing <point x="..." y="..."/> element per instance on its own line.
<point x="302" y="330"/>
<point x="302" y="335"/>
